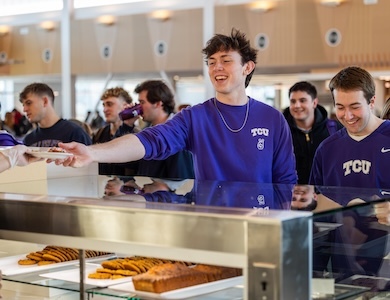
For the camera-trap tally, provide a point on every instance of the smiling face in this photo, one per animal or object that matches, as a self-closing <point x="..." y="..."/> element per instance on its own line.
<point x="227" y="73"/>
<point x="353" y="111"/>
<point x="302" y="106"/>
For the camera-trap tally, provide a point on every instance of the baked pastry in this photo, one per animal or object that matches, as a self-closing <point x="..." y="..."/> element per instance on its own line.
<point x="54" y="254"/>
<point x="26" y="262"/>
<point x="129" y="266"/>
<point x="167" y="277"/>
<point x="214" y="273"/>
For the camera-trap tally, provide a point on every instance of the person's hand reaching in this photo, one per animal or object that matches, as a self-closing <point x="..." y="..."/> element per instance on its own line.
<point x="81" y="155"/>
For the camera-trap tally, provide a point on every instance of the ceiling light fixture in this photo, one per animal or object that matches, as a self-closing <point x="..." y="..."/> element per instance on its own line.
<point x="106" y="20"/>
<point x="4" y="29"/>
<point x="370" y="2"/>
<point x="161" y="15"/>
<point x="48" y="25"/>
<point x="331" y="3"/>
<point x="261" y="6"/>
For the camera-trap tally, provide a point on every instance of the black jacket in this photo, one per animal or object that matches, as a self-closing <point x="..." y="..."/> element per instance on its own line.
<point x="306" y="144"/>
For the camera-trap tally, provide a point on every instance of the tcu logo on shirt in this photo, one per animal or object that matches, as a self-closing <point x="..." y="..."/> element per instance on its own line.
<point x="357" y="166"/>
<point x="260" y="131"/>
<point x="260" y="144"/>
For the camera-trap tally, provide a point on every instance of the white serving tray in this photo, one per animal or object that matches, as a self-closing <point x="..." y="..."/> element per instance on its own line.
<point x="73" y="275"/>
<point x="183" y="293"/>
<point x="9" y="265"/>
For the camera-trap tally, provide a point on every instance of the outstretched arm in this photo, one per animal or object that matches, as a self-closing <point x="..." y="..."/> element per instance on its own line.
<point x="123" y="149"/>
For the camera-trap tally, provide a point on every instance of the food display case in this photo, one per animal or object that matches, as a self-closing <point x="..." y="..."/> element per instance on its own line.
<point x="283" y="253"/>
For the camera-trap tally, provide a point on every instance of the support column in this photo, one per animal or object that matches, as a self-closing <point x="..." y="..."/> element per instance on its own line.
<point x="208" y="32"/>
<point x="67" y="84"/>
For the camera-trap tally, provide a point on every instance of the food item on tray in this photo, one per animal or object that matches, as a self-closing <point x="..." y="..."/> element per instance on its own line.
<point x="27" y="262"/>
<point x="54" y="254"/>
<point x="217" y="272"/>
<point x="128" y="266"/>
<point x="56" y="149"/>
<point x="167" y="277"/>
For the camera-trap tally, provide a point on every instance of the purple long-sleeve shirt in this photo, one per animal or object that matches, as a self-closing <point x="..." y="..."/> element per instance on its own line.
<point x="261" y="152"/>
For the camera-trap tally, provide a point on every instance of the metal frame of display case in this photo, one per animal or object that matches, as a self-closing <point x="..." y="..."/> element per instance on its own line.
<point x="272" y="247"/>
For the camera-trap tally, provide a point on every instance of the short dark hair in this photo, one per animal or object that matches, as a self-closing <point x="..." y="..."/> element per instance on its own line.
<point x="304" y="86"/>
<point x="158" y="91"/>
<point x="353" y="79"/>
<point x="37" y="88"/>
<point x="117" y="92"/>
<point x="237" y="41"/>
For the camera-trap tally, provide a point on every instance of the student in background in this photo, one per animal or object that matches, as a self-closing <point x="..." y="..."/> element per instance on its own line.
<point x="157" y="102"/>
<point x="38" y="105"/>
<point x="114" y="101"/>
<point x="309" y="125"/>
<point x="9" y="123"/>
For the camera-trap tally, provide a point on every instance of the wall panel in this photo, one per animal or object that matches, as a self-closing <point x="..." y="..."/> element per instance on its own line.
<point x="296" y="31"/>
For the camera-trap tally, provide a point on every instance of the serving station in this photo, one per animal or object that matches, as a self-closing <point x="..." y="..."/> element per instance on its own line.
<point x="240" y="225"/>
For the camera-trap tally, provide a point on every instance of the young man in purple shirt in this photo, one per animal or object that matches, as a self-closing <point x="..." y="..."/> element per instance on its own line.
<point x="232" y="137"/>
<point x="356" y="156"/>
<point x="359" y="154"/>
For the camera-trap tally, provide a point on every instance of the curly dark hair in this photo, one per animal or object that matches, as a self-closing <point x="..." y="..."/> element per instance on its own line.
<point x="237" y="41"/>
<point x="158" y="91"/>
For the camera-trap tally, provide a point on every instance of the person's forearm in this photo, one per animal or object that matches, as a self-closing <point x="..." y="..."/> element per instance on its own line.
<point x="122" y="149"/>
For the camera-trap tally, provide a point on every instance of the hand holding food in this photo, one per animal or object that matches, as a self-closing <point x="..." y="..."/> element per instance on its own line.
<point x="81" y="155"/>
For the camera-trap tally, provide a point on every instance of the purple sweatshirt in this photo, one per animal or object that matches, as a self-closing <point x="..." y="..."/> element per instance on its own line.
<point x="261" y="152"/>
<point x="343" y="161"/>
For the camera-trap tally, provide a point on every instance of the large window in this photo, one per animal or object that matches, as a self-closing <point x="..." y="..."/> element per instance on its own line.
<point x="6" y="97"/>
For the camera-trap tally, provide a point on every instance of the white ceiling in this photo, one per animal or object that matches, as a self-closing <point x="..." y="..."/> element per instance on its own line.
<point x="25" y="12"/>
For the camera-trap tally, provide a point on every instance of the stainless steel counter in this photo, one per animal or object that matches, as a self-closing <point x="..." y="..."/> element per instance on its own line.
<point x="249" y="226"/>
<point x="272" y="246"/>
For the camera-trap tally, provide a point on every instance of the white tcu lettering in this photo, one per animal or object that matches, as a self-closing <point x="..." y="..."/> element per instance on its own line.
<point x="260" y="131"/>
<point x="262" y="211"/>
<point x="356" y="166"/>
